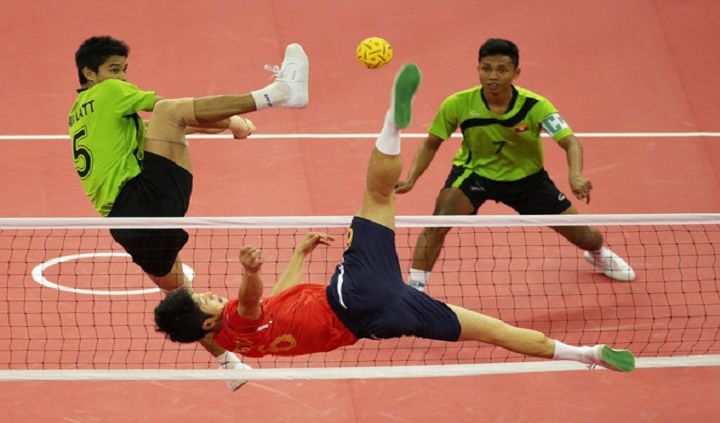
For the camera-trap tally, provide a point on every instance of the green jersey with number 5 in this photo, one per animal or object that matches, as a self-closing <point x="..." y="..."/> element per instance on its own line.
<point x="107" y="137"/>
<point x="503" y="147"/>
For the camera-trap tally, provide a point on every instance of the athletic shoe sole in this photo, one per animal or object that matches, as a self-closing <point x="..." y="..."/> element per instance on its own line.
<point x="406" y="84"/>
<point x="620" y="360"/>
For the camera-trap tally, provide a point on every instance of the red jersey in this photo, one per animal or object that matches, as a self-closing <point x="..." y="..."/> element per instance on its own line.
<point x="297" y="321"/>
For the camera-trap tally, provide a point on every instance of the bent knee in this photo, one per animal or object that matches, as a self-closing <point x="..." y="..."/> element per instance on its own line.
<point x="179" y="111"/>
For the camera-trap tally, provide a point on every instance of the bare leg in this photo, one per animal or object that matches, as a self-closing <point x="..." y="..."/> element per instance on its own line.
<point x="385" y="163"/>
<point x="450" y="202"/>
<point x="379" y="197"/>
<point x="479" y="327"/>
<point x="220" y="107"/>
<point x="173" y="280"/>
<point x="583" y="237"/>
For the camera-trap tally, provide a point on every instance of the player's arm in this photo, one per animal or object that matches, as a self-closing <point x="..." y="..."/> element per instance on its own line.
<point x="580" y="186"/>
<point x="294" y="269"/>
<point x="423" y="157"/>
<point x="251" y="286"/>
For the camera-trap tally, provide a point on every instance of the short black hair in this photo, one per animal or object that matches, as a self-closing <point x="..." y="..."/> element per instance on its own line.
<point x="94" y="51"/>
<point x="180" y="318"/>
<point x="499" y="46"/>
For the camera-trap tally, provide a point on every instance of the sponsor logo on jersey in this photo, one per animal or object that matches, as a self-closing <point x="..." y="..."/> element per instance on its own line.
<point x="520" y="129"/>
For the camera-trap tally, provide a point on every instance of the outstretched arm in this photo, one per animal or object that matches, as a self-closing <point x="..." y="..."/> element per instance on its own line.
<point x="294" y="269"/>
<point x="423" y="156"/>
<point x="251" y="286"/>
<point x="580" y="186"/>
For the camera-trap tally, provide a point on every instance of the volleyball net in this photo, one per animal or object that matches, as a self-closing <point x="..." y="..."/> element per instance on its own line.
<point x="73" y="305"/>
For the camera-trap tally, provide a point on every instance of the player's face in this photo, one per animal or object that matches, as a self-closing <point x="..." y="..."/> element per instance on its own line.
<point x="210" y="303"/>
<point x="497" y="73"/>
<point x="115" y="67"/>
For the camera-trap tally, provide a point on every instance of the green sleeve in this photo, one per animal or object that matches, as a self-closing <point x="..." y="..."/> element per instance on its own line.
<point x="129" y="99"/>
<point x="446" y="119"/>
<point x="552" y="122"/>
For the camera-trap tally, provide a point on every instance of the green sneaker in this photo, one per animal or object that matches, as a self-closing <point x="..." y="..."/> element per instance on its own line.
<point x="406" y="84"/>
<point x="618" y="360"/>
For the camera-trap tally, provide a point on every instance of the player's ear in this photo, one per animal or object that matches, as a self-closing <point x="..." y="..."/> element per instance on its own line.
<point x="89" y="74"/>
<point x="210" y="323"/>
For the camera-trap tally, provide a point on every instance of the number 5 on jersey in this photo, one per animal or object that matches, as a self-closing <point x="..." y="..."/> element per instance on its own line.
<point x="81" y="155"/>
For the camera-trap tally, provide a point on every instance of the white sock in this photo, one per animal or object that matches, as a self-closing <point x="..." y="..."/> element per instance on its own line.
<point x="388" y="142"/>
<point x="227" y="360"/>
<point x="273" y="95"/>
<point x="569" y="352"/>
<point x="419" y="276"/>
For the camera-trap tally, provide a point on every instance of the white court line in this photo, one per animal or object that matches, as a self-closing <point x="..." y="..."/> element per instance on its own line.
<point x="407" y="135"/>
<point x="334" y="373"/>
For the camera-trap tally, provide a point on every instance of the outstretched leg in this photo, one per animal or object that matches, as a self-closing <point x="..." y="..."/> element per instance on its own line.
<point x="385" y="162"/>
<point x="172" y="119"/>
<point x="479" y="327"/>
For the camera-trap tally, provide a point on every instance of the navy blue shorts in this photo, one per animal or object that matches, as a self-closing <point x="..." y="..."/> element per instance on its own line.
<point x="369" y="296"/>
<point x="534" y="194"/>
<point x="162" y="189"/>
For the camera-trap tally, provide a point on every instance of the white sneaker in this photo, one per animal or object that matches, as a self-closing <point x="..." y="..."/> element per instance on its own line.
<point x="611" y="265"/>
<point x="241" y="127"/>
<point x="230" y="361"/>
<point x="604" y="356"/>
<point x="295" y="72"/>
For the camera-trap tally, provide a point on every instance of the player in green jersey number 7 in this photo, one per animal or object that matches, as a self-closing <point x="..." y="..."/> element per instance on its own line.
<point x="501" y="159"/>
<point x="127" y="172"/>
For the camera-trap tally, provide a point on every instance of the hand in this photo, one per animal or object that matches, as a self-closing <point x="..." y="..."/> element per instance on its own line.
<point x="401" y="187"/>
<point x="581" y="187"/>
<point x="250" y="258"/>
<point x="241" y="127"/>
<point x="312" y="240"/>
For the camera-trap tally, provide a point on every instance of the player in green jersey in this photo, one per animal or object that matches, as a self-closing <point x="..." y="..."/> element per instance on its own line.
<point x="501" y="159"/>
<point x="127" y="172"/>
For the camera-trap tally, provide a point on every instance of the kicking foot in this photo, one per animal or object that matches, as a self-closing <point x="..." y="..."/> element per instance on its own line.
<point x="604" y="356"/>
<point x="241" y="127"/>
<point x="295" y="73"/>
<point x="230" y="361"/>
<point x="406" y="83"/>
<point x="611" y="265"/>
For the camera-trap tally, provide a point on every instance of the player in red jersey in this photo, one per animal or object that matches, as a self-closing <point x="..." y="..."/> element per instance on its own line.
<point x="366" y="297"/>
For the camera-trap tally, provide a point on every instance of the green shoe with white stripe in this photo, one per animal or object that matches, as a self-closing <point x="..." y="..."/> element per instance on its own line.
<point x="406" y="84"/>
<point x="618" y="360"/>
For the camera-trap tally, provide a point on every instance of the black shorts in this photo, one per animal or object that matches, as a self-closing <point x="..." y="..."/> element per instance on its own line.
<point x="369" y="296"/>
<point x="162" y="189"/>
<point x="534" y="194"/>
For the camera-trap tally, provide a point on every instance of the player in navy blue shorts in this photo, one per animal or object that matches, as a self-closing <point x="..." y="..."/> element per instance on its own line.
<point x="367" y="291"/>
<point x="366" y="295"/>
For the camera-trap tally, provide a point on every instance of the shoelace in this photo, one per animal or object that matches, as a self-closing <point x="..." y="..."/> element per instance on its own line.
<point x="275" y="71"/>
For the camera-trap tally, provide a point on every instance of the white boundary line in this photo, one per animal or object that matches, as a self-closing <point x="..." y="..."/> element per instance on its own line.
<point x="39" y="137"/>
<point x="39" y="277"/>
<point x="343" y="221"/>
<point x="383" y="372"/>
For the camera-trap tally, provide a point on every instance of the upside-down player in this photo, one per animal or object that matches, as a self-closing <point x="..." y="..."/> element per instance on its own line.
<point x="366" y="297"/>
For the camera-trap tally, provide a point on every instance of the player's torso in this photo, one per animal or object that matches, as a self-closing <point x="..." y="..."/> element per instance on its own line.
<point x="501" y="146"/>
<point x="297" y="321"/>
<point x="105" y="145"/>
